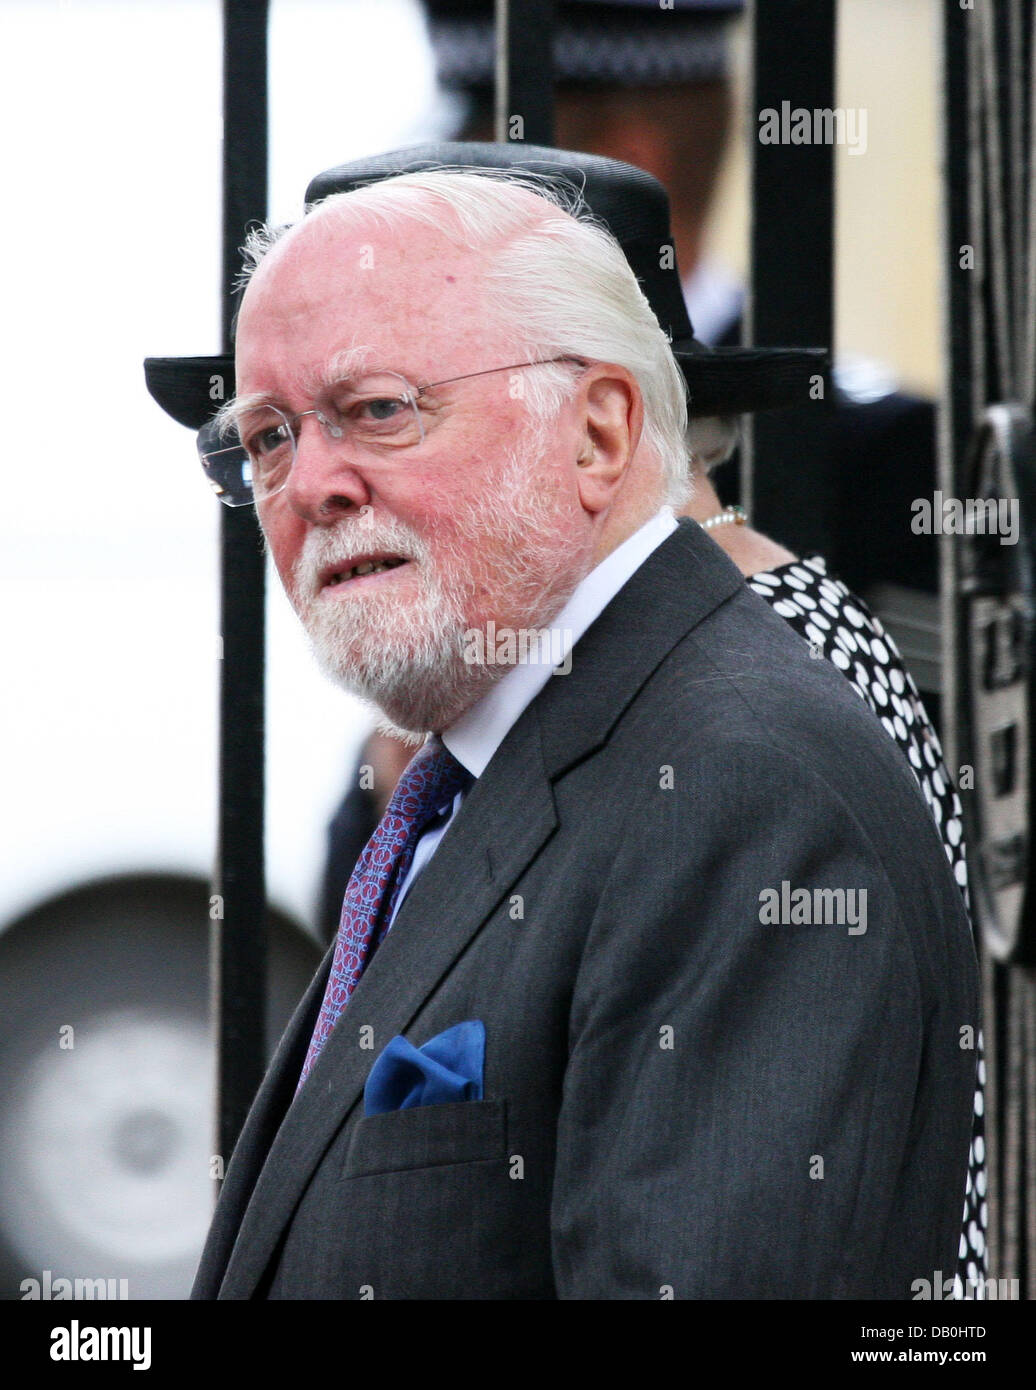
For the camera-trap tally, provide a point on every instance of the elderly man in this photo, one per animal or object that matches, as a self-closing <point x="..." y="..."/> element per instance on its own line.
<point x="653" y="980"/>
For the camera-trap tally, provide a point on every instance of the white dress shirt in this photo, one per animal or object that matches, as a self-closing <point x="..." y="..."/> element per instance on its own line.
<point x="714" y="300"/>
<point x="479" y="732"/>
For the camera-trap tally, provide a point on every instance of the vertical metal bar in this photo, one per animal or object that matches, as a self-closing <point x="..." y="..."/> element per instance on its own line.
<point x="1017" y="63"/>
<point x="1028" y="386"/>
<point x="986" y="53"/>
<point x="957" y="406"/>
<point x="239" y="940"/>
<point x="993" y="70"/>
<point x="1028" y="986"/>
<point x="786" y="478"/>
<point x="962" y="397"/>
<point x="524" y="106"/>
<point x="1011" y="1196"/>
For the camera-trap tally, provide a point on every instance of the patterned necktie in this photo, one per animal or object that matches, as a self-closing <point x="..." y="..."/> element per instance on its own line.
<point x="429" y="784"/>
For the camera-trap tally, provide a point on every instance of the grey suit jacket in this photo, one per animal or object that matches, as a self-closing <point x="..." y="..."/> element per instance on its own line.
<point x="681" y="1099"/>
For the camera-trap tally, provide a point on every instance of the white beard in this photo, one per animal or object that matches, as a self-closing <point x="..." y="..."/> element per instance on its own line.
<point x="409" y="659"/>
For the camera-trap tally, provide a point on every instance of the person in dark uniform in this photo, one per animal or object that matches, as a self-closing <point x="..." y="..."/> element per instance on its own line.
<point x="652" y="87"/>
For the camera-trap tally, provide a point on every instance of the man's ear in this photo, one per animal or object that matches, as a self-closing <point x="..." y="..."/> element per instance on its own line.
<point x="612" y="423"/>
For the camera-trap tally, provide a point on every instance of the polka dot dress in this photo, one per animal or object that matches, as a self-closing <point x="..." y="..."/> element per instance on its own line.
<point x="843" y="629"/>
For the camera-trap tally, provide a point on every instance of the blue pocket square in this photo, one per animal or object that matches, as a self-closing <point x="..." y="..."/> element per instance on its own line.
<point x="446" y="1068"/>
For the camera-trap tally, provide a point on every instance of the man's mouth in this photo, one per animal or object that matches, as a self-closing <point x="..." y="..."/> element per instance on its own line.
<point x="336" y="575"/>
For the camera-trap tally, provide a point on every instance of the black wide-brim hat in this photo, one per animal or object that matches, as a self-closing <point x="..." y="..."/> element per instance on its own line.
<point x="634" y="207"/>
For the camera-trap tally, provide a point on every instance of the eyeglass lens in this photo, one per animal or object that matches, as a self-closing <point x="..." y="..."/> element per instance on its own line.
<point x="378" y="414"/>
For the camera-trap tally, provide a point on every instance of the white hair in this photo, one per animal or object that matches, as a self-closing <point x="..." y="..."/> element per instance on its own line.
<point x="560" y="285"/>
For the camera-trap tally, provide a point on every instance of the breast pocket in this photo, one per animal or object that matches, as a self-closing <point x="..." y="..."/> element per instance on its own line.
<point x="428" y="1136"/>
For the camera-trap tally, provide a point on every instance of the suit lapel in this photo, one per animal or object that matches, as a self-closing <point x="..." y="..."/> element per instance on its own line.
<point x="504" y="820"/>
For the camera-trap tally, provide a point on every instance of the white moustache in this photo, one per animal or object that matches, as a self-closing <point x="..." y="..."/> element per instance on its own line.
<point x="322" y="549"/>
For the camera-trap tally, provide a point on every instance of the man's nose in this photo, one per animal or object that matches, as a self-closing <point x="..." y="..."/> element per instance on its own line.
<point x="323" y="480"/>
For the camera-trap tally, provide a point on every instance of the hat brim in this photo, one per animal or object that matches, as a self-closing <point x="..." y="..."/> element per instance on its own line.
<point x="190" y="389"/>
<point x="720" y="381"/>
<point x="744" y="381"/>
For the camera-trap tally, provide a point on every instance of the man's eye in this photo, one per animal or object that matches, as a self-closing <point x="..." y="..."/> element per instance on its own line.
<point x="267" y="441"/>
<point x="381" y="409"/>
